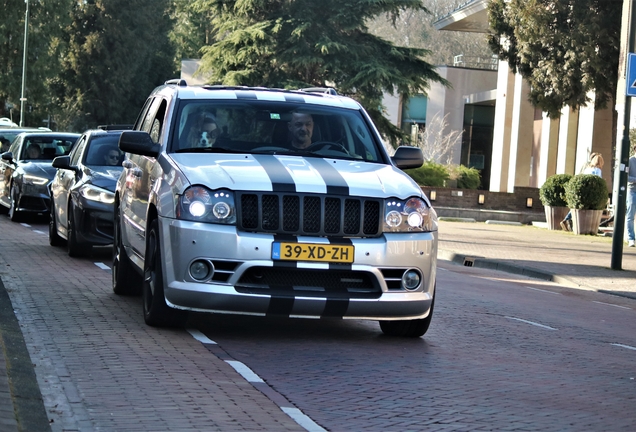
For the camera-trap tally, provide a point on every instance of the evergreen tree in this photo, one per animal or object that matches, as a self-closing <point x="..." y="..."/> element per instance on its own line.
<point x="563" y="48"/>
<point x="307" y="43"/>
<point x="118" y="51"/>
<point x="44" y="47"/>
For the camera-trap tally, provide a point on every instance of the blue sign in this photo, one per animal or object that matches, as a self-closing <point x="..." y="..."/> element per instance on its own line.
<point x="630" y="85"/>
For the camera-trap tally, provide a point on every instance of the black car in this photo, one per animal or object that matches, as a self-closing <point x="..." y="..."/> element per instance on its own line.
<point x="26" y="171"/>
<point x="82" y="192"/>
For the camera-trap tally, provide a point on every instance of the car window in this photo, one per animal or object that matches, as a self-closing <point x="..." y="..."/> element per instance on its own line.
<point x="46" y="147"/>
<point x="77" y="151"/>
<point x="100" y="148"/>
<point x="258" y="126"/>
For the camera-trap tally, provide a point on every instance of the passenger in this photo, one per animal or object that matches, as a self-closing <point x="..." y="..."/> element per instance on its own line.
<point x="5" y="144"/>
<point x="203" y="132"/>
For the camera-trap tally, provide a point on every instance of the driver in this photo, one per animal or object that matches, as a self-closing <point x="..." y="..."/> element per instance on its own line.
<point x="301" y="128"/>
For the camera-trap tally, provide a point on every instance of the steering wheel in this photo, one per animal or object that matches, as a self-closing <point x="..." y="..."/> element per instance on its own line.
<point x="319" y="145"/>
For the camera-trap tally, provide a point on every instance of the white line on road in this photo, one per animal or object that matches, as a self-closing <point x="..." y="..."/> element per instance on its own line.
<point x="25" y="225"/>
<point x="532" y="323"/>
<point x="609" y="304"/>
<point x="200" y="336"/>
<point x="300" y="418"/>
<point x="244" y="371"/>
<point x="545" y="291"/>
<point x="39" y="232"/>
<point x="102" y="266"/>
<point x="624" y="346"/>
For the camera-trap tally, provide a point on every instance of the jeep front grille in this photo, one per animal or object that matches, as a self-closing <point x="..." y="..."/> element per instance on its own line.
<point x="306" y="214"/>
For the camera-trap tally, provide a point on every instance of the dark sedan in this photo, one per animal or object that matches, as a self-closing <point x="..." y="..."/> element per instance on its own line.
<point x="82" y="193"/>
<point x="26" y="171"/>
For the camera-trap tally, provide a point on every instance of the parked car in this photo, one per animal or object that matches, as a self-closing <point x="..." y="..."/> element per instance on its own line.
<point x="8" y="134"/>
<point x="271" y="202"/>
<point x="26" y="171"/>
<point x="82" y="192"/>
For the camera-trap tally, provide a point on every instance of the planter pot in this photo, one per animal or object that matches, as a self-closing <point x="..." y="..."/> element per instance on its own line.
<point x="586" y="221"/>
<point x="554" y="216"/>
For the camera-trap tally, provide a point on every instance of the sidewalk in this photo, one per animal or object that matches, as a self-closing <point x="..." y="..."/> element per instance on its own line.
<point x="580" y="261"/>
<point x="577" y="261"/>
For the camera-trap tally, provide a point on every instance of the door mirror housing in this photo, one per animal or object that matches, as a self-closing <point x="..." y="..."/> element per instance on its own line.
<point x="138" y="142"/>
<point x="406" y="157"/>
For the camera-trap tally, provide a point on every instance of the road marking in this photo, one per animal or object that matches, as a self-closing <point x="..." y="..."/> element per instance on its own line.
<point x="545" y="291"/>
<point x="532" y="323"/>
<point x="200" y="336"/>
<point x="439" y="268"/>
<point x="609" y="304"/>
<point x="25" y="225"/>
<point x="102" y="266"/>
<point x="624" y="346"/>
<point x="244" y="371"/>
<point x="39" y="232"/>
<point x="300" y="418"/>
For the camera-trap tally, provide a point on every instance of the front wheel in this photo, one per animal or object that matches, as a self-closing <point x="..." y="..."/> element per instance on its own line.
<point x="75" y="248"/>
<point x="408" y="328"/>
<point x="126" y="281"/>
<point x="156" y="312"/>
<point x="54" y="237"/>
<point x="14" y="214"/>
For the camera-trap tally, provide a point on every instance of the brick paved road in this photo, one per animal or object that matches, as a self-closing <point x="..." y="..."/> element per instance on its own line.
<point x="500" y="355"/>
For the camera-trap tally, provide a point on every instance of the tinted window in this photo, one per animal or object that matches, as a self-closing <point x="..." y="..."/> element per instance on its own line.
<point x="100" y="150"/>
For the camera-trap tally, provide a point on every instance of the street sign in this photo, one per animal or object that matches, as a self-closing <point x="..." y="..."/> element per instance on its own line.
<point x="630" y="85"/>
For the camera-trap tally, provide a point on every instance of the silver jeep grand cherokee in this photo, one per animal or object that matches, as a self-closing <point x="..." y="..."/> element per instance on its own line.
<point x="271" y="202"/>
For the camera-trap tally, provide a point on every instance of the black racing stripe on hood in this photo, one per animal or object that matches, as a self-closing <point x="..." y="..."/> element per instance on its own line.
<point x="336" y="184"/>
<point x="281" y="180"/>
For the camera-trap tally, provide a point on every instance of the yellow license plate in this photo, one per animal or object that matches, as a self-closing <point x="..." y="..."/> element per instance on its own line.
<point x="312" y="252"/>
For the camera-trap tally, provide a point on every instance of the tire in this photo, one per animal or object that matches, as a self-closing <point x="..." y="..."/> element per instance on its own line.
<point x="156" y="312"/>
<point x="126" y="280"/>
<point x="75" y="248"/>
<point x="408" y="328"/>
<point x="54" y="237"/>
<point x="14" y="214"/>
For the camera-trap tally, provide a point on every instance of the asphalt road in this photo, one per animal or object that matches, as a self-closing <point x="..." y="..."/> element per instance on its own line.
<point x="503" y="353"/>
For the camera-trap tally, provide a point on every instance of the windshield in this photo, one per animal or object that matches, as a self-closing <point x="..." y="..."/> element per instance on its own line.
<point x="267" y="127"/>
<point x="46" y="147"/>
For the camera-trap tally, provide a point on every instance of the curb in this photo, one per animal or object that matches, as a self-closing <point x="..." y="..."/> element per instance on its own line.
<point x="493" y="264"/>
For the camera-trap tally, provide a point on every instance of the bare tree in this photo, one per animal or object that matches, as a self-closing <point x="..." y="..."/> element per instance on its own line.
<point x="437" y="143"/>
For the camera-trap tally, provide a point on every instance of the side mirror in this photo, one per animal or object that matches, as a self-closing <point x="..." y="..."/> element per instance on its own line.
<point x="8" y="156"/>
<point x="64" y="162"/>
<point x="408" y="157"/>
<point x="138" y="142"/>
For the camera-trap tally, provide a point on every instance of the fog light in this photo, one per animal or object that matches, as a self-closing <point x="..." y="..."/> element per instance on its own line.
<point x="411" y="280"/>
<point x="200" y="270"/>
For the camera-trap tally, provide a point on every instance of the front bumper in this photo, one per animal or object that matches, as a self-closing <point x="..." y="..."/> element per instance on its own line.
<point x="94" y="222"/>
<point x="247" y="281"/>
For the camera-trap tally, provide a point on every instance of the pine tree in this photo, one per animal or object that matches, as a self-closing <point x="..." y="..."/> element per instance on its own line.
<point x="563" y="48"/>
<point x="307" y="43"/>
<point x="118" y="51"/>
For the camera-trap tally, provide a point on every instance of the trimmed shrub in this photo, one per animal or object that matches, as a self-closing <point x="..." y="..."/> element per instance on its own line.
<point x="552" y="193"/>
<point x="586" y="192"/>
<point x="467" y="178"/>
<point x="429" y="174"/>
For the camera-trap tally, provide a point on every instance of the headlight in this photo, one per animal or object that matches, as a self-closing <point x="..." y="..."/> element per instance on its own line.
<point x="411" y="215"/>
<point x="35" y="180"/>
<point x="94" y="193"/>
<point x="200" y="204"/>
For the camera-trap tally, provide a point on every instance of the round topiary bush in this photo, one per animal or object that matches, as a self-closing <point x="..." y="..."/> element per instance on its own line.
<point x="586" y="192"/>
<point x="429" y="174"/>
<point x="552" y="193"/>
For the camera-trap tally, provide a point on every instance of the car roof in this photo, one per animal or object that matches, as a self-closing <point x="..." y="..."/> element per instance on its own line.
<point x="48" y="134"/>
<point x="313" y="96"/>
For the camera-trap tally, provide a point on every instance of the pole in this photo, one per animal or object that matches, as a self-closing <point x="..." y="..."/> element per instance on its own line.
<point x="619" y="193"/>
<point x="24" y="62"/>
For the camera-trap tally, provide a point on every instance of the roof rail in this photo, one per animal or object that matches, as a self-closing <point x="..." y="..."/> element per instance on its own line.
<point x="115" y="127"/>
<point x="326" y="90"/>
<point x="177" y="81"/>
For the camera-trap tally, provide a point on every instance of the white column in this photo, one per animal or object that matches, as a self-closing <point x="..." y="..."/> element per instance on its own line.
<point x="502" y="127"/>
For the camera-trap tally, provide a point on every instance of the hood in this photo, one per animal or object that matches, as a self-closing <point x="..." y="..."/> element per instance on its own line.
<point x="283" y="173"/>
<point x="39" y="169"/>
<point x="105" y="177"/>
